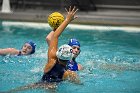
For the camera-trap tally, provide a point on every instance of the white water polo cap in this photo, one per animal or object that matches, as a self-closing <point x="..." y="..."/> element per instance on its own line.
<point x="64" y="52"/>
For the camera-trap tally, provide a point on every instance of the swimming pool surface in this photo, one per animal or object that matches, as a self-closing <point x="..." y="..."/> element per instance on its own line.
<point x="110" y="56"/>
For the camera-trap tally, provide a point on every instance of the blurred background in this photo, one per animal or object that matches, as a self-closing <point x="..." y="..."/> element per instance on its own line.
<point x="83" y="5"/>
<point x="115" y="12"/>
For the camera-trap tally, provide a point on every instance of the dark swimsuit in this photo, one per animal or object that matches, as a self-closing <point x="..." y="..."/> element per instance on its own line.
<point x="19" y="54"/>
<point x="55" y="74"/>
<point x="72" y="65"/>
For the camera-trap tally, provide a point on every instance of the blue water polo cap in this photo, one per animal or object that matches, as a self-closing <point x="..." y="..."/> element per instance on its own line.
<point x="73" y="42"/>
<point x="33" y="46"/>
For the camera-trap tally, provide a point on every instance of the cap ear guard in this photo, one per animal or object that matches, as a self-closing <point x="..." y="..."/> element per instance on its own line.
<point x="64" y="52"/>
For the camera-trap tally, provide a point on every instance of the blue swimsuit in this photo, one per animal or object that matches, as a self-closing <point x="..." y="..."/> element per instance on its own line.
<point x="55" y="74"/>
<point x="72" y="65"/>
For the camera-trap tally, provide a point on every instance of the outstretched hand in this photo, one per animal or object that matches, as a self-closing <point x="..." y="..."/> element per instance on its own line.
<point x="71" y="13"/>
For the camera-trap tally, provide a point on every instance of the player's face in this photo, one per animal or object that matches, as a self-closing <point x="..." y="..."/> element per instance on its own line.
<point x="26" y="49"/>
<point x="76" y="50"/>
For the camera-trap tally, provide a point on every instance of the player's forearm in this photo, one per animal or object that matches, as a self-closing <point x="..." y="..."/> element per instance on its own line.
<point x="4" y="51"/>
<point x="61" y="28"/>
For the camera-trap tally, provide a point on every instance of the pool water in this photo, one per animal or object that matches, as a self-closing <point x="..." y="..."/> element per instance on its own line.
<point x="110" y="57"/>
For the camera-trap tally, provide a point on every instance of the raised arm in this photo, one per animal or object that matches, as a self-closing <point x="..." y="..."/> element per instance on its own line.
<point x="54" y="41"/>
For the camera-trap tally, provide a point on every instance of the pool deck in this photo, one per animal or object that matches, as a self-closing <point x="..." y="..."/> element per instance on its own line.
<point x="100" y="17"/>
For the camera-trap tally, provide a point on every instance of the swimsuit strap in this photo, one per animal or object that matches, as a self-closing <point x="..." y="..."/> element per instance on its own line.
<point x="19" y="54"/>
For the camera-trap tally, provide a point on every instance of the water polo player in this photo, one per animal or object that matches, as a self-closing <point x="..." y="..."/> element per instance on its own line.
<point x="27" y="49"/>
